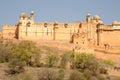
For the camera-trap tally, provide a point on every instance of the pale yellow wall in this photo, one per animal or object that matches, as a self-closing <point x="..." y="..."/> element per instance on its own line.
<point x="0" y="34"/>
<point x="40" y="32"/>
<point x="8" y="31"/>
<point x="110" y="37"/>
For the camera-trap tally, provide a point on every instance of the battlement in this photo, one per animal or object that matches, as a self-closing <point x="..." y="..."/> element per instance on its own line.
<point x="110" y="27"/>
<point x="9" y="26"/>
<point x="106" y="27"/>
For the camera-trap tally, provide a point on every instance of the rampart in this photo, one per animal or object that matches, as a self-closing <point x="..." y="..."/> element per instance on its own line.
<point x="9" y="31"/>
<point x="84" y="35"/>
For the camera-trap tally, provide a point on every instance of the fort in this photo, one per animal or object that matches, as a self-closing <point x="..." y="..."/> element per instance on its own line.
<point x="91" y="35"/>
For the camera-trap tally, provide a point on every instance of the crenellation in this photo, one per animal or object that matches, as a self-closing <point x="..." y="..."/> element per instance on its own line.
<point x="9" y="27"/>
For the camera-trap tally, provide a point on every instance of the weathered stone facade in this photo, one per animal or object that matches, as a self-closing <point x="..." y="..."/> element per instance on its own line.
<point x="85" y="34"/>
<point x="0" y="34"/>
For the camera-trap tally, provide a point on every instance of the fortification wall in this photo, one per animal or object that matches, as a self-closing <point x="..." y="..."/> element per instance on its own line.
<point x="65" y="33"/>
<point x="9" y="31"/>
<point x="40" y="31"/>
<point x="0" y="34"/>
<point x="36" y="32"/>
<point x="106" y="54"/>
<point x="111" y="37"/>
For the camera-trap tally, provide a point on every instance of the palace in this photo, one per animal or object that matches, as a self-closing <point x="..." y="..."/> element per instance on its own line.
<point x="90" y="33"/>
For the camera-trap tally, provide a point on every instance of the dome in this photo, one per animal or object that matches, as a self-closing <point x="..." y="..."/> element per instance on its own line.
<point x="116" y="22"/>
<point x="23" y="15"/>
<point x="32" y="12"/>
<point x="96" y="17"/>
<point x="88" y="14"/>
<point x="56" y="22"/>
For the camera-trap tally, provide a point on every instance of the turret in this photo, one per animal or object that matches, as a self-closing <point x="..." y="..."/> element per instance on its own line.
<point x="31" y="20"/>
<point x="97" y="19"/>
<point x="88" y="19"/>
<point x="32" y="15"/>
<point x="23" y="19"/>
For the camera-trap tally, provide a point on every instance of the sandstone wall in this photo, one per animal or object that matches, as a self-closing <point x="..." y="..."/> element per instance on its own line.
<point x="40" y="31"/>
<point x="110" y="37"/>
<point x="0" y="34"/>
<point x="9" y="31"/>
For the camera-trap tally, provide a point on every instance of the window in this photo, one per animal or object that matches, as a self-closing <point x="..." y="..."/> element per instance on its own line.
<point x="80" y="26"/>
<point x="45" y="25"/>
<point x="66" y="25"/>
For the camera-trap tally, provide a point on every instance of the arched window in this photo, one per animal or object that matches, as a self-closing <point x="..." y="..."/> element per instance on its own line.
<point x="65" y="25"/>
<point x="28" y="24"/>
<point x="80" y="25"/>
<point x="55" y="24"/>
<point x="45" y="25"/>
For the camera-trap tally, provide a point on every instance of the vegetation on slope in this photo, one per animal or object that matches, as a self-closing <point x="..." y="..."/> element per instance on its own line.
<point x="51" y="63"/>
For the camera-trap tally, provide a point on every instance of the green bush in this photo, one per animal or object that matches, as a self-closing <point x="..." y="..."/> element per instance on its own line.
<point x="87" y="74"/>
<point x="67" y="56"/>
<point x="103" y="71"/>
<point x="88" y="62"/>
<point x="16" y="66"/>
<point x="5" y="51"/>
<point x="109" y="63"/>
<point x="52" y="60"/>
<point x="35" y="60"/>
<point x="5" y="54"/>
<point x="21" y="55"/>
<point x="61" y="74"/>
<point x="75" y="75"/>
<point x="24" y="51"/>
<point x="50" y="74"/>
<point x="83" y="60"/>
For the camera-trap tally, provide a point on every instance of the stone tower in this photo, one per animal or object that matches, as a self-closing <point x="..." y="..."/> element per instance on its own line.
<point x="31" y="19"/>
<point x="88" y="19"/>
<point x="23" y="19"/>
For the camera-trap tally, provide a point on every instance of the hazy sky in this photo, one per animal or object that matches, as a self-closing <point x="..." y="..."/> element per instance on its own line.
<point x="59" y="10"/>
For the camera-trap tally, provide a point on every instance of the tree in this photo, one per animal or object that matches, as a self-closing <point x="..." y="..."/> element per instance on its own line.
<point x="24" y="50"/>
<point x="67" y="57"/>
<point x="82" y="60"/>
<point x="5" y="54"/>
<point x="21" y="56"/>
<point x="5" y="50"/>
<point x="85" y="61"/>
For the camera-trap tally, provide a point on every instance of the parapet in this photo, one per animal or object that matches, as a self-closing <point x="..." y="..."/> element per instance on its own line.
<point x="96" y="19"/>
<point x="9" y="26"/>
<point x="106" y="27"/>
<point x="116" y="23"/>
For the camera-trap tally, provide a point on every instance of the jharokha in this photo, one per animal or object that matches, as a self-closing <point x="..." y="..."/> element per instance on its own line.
<point x="90" y="35"/>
